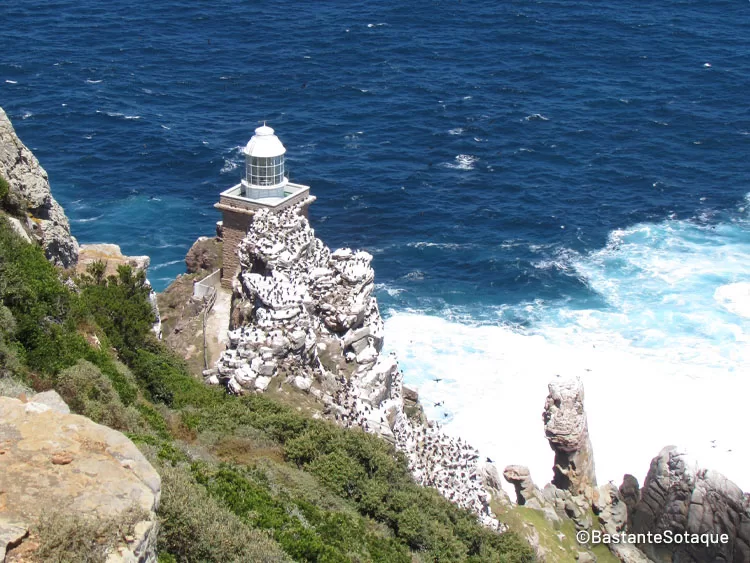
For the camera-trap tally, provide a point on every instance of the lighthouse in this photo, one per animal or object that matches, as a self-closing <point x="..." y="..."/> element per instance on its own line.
<point x="265" y="185"/>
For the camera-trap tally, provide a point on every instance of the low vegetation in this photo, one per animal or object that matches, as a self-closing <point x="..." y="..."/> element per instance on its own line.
<point x="61" y="537"/>
<point x="244" y="479"/>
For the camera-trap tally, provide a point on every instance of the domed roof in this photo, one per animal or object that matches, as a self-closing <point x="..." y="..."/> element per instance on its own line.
<point x="264" y="143"/>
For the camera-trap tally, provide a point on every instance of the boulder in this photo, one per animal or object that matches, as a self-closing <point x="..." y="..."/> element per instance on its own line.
<point x="491" y="482"/>
<point x="11" y="534"/>
<point x="409" y="394"/>
<point x="56" y="460"/>
<point x="611" y="509"/>
<point x="262" y="382"/>
<point x="302" y="383"/>
<point x="52" y="400"/>
<point x="527" y="493"/>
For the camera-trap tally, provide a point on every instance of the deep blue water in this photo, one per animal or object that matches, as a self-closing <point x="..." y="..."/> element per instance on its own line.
<point x="128" y="101"/>
<point x="529" y="165"/>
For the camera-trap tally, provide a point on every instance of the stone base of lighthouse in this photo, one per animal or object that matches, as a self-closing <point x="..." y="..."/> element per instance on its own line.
<point x="237" y="214"/>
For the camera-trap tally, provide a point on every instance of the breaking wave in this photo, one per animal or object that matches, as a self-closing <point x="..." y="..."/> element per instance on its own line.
<point x="664" y="358"/>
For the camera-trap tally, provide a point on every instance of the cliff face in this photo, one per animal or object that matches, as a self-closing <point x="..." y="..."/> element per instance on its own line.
<point x="679" y="496"/>
<point x="30" y="197"/>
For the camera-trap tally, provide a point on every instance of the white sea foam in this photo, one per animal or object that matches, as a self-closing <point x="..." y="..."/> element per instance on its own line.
<point x="229" y="165"/>
<point x="26" y="115"/>
<point x="392" y="291"/>
<point x="89" y="81"/>
<point x="456" y="131"/>
<point x="666" y="361"/>
<point x="735" y="298"/>
<point x="118" y="114"/>
<point x="536" y="117"/>
<point x="416" y="275"/>
<point x="463" y="162"/>
<point x="88" y="219"/>
<point x="11" y="82"/>
<point x="165" y="264"/>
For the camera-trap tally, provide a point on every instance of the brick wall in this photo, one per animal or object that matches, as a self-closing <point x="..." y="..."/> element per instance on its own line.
<point x="235" y="229"/>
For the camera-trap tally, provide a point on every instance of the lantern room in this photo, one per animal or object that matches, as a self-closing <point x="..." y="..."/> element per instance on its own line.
<point x="264" y="165"/>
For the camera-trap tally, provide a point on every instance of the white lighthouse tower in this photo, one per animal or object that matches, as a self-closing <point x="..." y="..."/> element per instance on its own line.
<point x="265" y="186"/>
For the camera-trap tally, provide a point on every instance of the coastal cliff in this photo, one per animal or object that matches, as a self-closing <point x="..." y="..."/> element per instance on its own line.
<point x="29" y="198"/>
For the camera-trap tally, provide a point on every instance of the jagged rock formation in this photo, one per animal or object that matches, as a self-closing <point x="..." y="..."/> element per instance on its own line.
<point x="567" y="431"/>
<point x="630" y="493"/>
<point x="306" y="316"/>
<point x="679" y="496"/>
<point x="51" y="459"/>
<point x="205" y="254"/>
<point x="527" y="493"/>
<point x="30" y="198"/>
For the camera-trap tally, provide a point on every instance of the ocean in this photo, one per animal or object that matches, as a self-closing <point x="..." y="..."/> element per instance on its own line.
<point x="548" y="188"/>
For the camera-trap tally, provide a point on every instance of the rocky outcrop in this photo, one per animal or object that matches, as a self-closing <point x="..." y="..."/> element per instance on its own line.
<point x="30" y="198"/>
<point x="111" y="256"/>
<point x="679" y="496"/>
<point x="204" y="255"/>
<point x="567" y="431"/>
<point x="305" y="317"/>
<point x="572" y="495"/>
<point x="527" y="493"/>
<point x="53" y="460"/>
<point x="630" y="493"/>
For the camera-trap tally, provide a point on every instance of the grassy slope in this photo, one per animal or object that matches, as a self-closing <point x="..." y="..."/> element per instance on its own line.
<point x="244" y="479"/>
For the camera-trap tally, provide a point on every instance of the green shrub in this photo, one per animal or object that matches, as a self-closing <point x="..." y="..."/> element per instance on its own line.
<point x="195" y="527"/>
<point x="10" y="360"/>
<point x="88" y="392"/>
<point x="4" y="190"/>
<point x="305" y="531"/>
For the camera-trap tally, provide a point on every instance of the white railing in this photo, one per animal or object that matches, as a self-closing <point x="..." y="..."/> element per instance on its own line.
<point x="204" y="287"/>
<point x="206" y="291"/>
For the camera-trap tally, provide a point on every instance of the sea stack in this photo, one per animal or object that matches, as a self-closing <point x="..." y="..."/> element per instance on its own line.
<point x="567" y="431"/>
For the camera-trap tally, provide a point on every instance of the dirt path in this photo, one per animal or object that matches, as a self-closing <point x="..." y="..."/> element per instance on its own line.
<point x="217" y="325"/>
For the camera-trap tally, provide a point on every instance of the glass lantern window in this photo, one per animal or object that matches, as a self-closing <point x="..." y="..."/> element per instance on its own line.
<point x="265" y="171"/>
